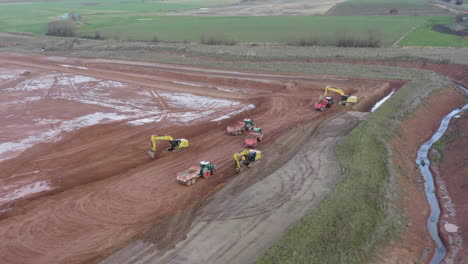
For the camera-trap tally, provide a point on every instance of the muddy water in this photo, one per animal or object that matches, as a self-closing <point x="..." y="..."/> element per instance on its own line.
<point x="424" y="162"/>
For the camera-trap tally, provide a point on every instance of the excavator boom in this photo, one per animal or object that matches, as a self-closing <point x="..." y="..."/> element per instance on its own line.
<point x="176" y="144"/>
<point x="238" y="156"/>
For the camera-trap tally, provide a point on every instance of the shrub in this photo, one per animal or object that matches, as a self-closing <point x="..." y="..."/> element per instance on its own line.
<point x="61" y="28"/>
<point x="217" y="40"/>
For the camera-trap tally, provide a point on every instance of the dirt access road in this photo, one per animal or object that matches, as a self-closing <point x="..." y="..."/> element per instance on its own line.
<point x="85" y="187"/>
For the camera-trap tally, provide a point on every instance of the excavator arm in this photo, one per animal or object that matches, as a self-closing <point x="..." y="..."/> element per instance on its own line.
<point x="344" y="97"/>
<point x="237" y="156"/>
<point x="329" y="88"/>
<point x="155" y="138"/>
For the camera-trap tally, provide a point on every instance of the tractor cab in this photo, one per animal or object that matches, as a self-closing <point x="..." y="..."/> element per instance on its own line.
<point x="206" y="165"/>
<point x="330" y="100"/>
<point x="249" y="123"/>
<point x="257" y="130"/>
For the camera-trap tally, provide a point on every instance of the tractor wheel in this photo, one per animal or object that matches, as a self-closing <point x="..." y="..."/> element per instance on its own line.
<point x="322" y="109"/>
<point x="194" y="180"/>
<point x="205" y="174"/>
<point x="214" y="171"/>
<point x="260" y="138"/>
<point x="188" y="183"/>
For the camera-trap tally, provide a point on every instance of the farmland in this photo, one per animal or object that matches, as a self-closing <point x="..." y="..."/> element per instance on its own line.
<point x="162" y="21"/>
<point x="245" y="29"/>
<point x="425" y="36"/>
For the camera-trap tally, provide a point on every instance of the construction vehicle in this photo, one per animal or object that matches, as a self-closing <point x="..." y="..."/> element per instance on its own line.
<point x="238" y="128"/>
<point x="253" y="137"/>
<point x="248" y="157"/>
<point x="177" y="145"/>
<point x="322" y="104"/>
<point x="189" y="176"/>
<point x="345" y="99"/>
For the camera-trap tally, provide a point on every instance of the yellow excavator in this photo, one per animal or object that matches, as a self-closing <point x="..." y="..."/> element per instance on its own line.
<point x="345" y="99"/>
<point x="247" y="157"/>
<point x="177" y="145"/>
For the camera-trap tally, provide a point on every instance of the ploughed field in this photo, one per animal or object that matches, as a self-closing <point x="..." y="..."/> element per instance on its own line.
<point x="76" y="182"/>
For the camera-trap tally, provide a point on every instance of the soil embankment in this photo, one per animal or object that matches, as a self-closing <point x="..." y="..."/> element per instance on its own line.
<point x="416" y="245"/>
<point x="450" y="169"/>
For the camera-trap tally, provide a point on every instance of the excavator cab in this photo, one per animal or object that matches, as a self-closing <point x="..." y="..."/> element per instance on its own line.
<point x="246" y="157"/>
<point x="174" y="144"/>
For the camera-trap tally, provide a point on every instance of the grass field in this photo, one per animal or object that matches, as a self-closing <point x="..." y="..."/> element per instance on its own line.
<point x="425" y="36"/>
<point x="146" y="19"/>
<point x="33" y="17"/>
<point x="383" y="7"/>
<point x="254" y="29"/>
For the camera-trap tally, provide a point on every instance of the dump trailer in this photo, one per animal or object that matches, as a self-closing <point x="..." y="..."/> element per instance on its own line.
<point x="253" y="137"/>
<point x="322" y="104"/>
<point x="237" y="129"/>
<point x="189" y="176"/>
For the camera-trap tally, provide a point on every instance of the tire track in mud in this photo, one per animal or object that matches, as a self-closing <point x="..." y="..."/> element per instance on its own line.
<point x="232" y="222"/>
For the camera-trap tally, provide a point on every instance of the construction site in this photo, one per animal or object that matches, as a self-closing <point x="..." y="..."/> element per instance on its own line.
<point x="107" y="160"/>
<point x="86" y="126"/>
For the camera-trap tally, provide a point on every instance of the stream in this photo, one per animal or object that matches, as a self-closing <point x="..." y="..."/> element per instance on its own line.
<point x="423" y="163"/>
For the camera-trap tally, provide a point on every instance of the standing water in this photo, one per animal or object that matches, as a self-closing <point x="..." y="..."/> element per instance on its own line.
<point x="429" y="185"/>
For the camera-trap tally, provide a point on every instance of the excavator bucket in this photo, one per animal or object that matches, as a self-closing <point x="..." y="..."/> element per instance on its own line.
<point x="152" y="153"/>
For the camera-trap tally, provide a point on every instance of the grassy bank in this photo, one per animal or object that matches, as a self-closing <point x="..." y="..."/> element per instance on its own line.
<point x="361" y="212"/>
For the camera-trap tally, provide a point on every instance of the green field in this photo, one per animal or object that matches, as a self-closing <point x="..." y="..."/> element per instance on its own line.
<point x="254" y="29"/>
<point x="425" y="36"/>
<point x="383" y="7"/>
<point x="33" y="17"/>
<point x="147" y="20"/>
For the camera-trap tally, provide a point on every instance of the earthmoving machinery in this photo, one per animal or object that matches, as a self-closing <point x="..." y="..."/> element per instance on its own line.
<point x="322" y="104"/>
<point x="253" y="137"/>
<point x="248" y="157"/>
<point x="237" y="129"/>
<point x="189" y="176"/>
<point x="345" y="99"/>
<point x="176" y="144"/>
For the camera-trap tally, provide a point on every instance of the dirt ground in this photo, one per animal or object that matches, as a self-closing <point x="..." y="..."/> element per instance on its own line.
<point x="85" y="124"/>
<point x="416" y="245"/>
<point x="237" y="225"/>
<point x="265" y="8"/>
<point x="451" y="181"/>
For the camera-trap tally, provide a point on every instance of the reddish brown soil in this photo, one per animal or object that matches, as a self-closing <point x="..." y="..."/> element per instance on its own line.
<point x="106" y="190"/>
<point x="451" y="174"/>
<point x="416" y="245"/>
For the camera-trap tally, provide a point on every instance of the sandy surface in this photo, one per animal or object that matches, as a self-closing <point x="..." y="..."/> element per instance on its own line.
<point x="265" y="8"/>
<point x="238" y="226"/>
<point x="90" y="187"/>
